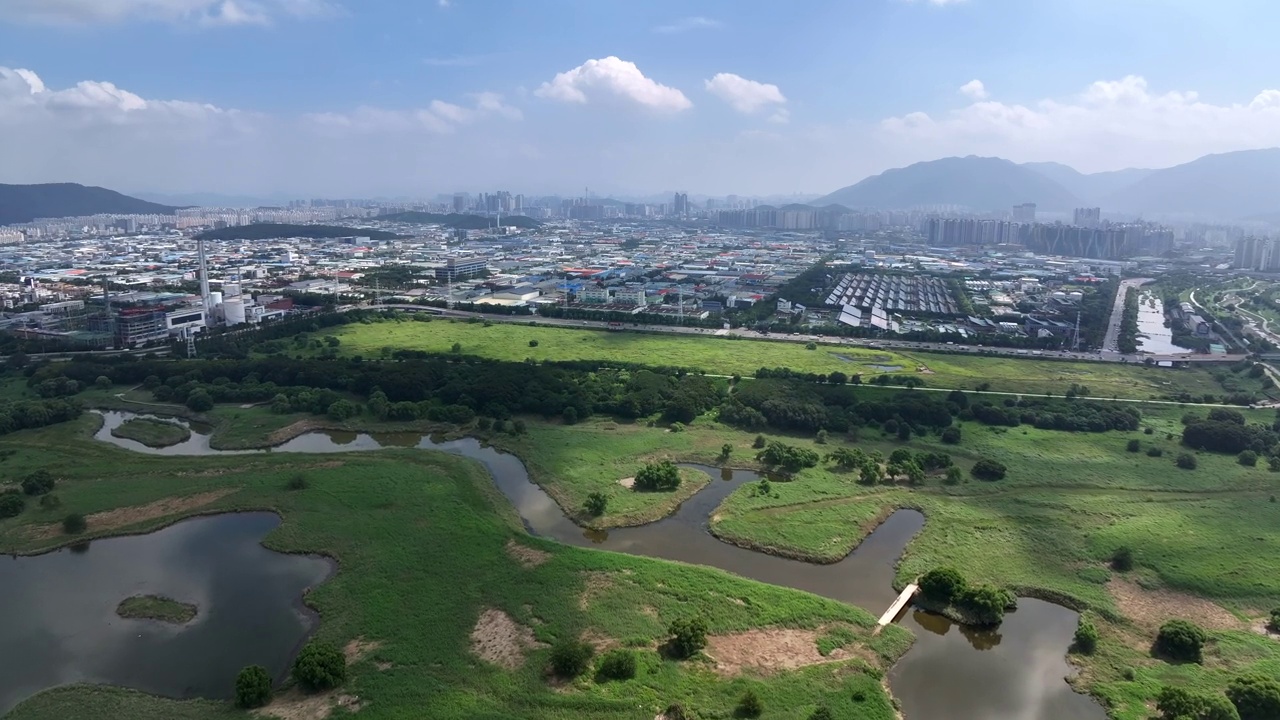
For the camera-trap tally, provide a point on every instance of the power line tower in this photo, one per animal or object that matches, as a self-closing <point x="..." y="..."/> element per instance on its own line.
<point x="191" y="342"/>
<point x="1076" y="344"/>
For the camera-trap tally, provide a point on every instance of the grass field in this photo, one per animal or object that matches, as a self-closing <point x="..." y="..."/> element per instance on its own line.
<point x="510" y="341"/>
<point x="152" y="433"/>
<point x="425" y="546"/>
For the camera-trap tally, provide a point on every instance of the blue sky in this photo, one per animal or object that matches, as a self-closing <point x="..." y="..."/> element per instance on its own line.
<point x="400" y="97"/>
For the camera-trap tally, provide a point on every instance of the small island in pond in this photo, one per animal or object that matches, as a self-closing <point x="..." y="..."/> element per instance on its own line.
<point x="152" y="433"/>
<point x="155" y="607"/>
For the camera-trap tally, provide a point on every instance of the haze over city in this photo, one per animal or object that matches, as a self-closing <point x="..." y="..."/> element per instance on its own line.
<point x="378" y="98"/>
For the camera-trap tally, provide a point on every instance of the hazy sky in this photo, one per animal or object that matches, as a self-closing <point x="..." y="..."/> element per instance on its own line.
<point x="414" y="97"/>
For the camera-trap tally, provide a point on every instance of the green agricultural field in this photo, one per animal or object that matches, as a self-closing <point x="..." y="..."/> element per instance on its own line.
<point x="720" y="355"/>
<point x="426" y="546"/>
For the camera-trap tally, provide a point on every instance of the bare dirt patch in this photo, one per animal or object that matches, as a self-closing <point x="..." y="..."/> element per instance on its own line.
<point x="293" y="430"/>
<point x="359" y="648"/>
<point x="770" y="650"/>
<point x="594" y="584"/>
<point x="1262" y="627"/>
<point x="528" y="557"/>
<point x="499" y="640"/>
<point x="598" y="640"/>
<point x="295" y="705"/>
<point x="126" y="516"/>
<point x="1150" y="608"/>
<point x="628" y="483"/>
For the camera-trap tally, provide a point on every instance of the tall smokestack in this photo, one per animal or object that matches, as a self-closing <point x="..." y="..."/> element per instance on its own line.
<point x="204" y="283"/>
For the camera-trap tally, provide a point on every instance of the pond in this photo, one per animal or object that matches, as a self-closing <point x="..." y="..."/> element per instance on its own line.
<point x="951" y="673"/>
<point x="60" y="623"/>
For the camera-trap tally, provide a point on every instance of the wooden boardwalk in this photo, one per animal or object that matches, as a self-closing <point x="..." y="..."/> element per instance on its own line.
<point x="896" y="608"/>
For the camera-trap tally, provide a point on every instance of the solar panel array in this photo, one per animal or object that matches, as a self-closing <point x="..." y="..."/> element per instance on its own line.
<point x="894" y="294"/>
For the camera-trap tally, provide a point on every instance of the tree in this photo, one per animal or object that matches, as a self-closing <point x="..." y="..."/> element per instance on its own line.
<point x="760" y="442"/>
<point x="39" y="482"/>
<point x="74" y="524"/>
<point x="570" y="415"/>
<point x="749" y="705"/>
<point x="200" y="401"/>
<point x="596" y="504"/>
<point x="533" y="343"/>
<point x="988" y="469"/>
<point x="103" y="382"/>
<point x="951" y="435"/>
<point x="342" y="410"/>
<point x="725" y="451"/>
<point x="1255" y="697"/>
<point x="1134" y="446"/>
<point x="954" y="476"/>
<point x="618" y="664"/>
<point x="320" y="666"/>
<point x="456" y="349"/>
<point x="985" y="604"/>
<point x="1186" y="461"/>
<point x="253" y="687"/>
<point x="1086" y="637"/>
<point x="662" y="476"/>
<point x="1181" y="640"/>
<point x="570" y="658"/>
<point x="942" y="585"/>
<point x="11" y="504"/>
<point x="1248" y="458"/>
<point x="1154" y="451"/>
<point x="822" y="437"/>
<point x="904" y="432"/>
<point x="688" y="636"/>
<point x="1122" y="559"/>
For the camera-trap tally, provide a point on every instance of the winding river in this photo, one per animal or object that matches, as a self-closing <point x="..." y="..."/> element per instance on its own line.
<point x="951" y="673"/>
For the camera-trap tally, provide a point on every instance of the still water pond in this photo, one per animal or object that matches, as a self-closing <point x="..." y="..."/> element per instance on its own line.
<point x="951" y="673"/>
<point x="60" y="624"/>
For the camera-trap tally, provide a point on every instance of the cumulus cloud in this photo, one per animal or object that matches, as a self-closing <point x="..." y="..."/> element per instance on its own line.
<point x="974" y="89"/>
<point x="1110" y="124"/>
<point x="206" y="12"/>
<point x="747" y="96"/>
<point x="612" y="77"/>
<point x="687" y="24"/>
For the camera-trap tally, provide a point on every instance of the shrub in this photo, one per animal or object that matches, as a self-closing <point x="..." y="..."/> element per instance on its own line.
<point x="39" y="482"/>
<point x="725" y="451"/>
<point x="533" y="343"/>
<point x="942" y="585"/>
<point x="50" y="502"/>
<point x="596" y="504"/>
<point x="1255" y="697"/>
<point x="570" y="415"/>
<point x="1181" y="640"/>
<point x="618" y="665"/>
<point x="822" y="437"/>
<point x="253" y="687"/>
<point x="662" y="476"/>
<point x="1248" y="458"/>
<point x="985" y="604"/>
<point x="1086" y="638"/>
<point x="11" y="504"/>
<point x="342" y="410"/>
<point x="199" y="401"/>
<point x="988" y="469"/>
<point x="822" y="713"/>
<point x="570" y="658"/>
<point x="297" y="482"/>
<point x="687" y="637"/>
<point x="760" y="442"/>
<point x="1274" y="621"/>
<point x="677" y="711"/>
<point x="1186" y="461"/>
<point x="1122" y="559"/>
<point x="749" y="705"/>
<point x="1134" y="446"/>
<point x="103" y="382"/>
<point x="954" y="476"/>
<point x="1155" y="451"/>
<point x="456" y="348"/>
<point x="320" y="666"/>
<point x="951" y="435"/>
<point x="811" y="346"/>
<point x="1175" y="703"/>
<point x="74" y="524"/>
<point x="1149" y="431"/>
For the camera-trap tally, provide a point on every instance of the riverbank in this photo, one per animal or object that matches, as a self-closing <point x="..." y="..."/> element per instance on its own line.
<point x="395" y="585"/>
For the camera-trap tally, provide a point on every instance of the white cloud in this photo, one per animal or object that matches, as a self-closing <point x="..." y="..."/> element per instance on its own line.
<point x="1111" y="124"/>
<point x="745" y="96"/>
<point x="974" y="89"/>
<point x="206" y="12"/>
<point x="612" y="77"/>
<point x="438" y="117"/>
<point x="687" y="24"/>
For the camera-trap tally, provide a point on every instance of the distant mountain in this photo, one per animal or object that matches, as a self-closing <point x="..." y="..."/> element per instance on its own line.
<point x="460" y="222"/>
<point x="213" y="200"/>
<point x="270" y="231"/>
<point x="983" y="184"/>
<point x="1230" y="186"/>
<point x="1090" y="188"/>
<point x="24" y="203"/>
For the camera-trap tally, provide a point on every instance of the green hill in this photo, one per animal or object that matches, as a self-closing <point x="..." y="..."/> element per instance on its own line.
<point x="24" y="203"/>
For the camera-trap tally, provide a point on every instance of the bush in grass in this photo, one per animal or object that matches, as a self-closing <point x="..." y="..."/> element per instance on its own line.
<point x="822" y="713"/>
<point x="1122" y="559"/>
<point x="988" y="469"/>
<point x="533" y="343"/>
<point x="1255" y="697"/>
<point x="1175" y="703"/>
<point x="1181" y="640"/>
<point x="677" y="711"/>
<point x="596" y="504"/>
<point x="39" y="482"/>
<point x="570" y="658"/>
<point x="942" y="585"/>
<point x="253" y="687"/>
<point x="1248" y="458"/>
<point x="951" y="435"/>
<point x="320" y="666"/>
<point x="687" y="637"/>
<point x="749" y="705"/>
<point x="760" y="442"/>
<point x="11" y="504"/>
<point x="1133" y="446"/>
<point x="954" y="476"/>
<point x="74" y="524"/>
<point x="1274" y="622"/>
<point x="1086" y="638"/>
<point x="298" y="482"/>
<point x="1186" y="461"/>
<point x="618" y="665"/>
<point x="725" y="451"/>
<point x="1155" y="451"/>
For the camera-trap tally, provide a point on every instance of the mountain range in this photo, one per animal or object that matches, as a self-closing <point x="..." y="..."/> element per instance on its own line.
<point x="24" y="203"/>
<point x="1242" y="185"/>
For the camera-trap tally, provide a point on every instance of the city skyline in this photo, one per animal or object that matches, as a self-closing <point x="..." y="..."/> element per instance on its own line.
<point x="324" y="98"/>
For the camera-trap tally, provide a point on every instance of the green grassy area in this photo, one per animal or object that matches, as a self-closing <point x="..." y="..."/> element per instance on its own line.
<point x="423" y="544"/>
<point x="510" y="341"/>
<point x="154" y="607"/>
<point x="152" y="433"/>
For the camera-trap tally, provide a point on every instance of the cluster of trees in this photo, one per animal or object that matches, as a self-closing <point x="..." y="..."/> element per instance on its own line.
<point x="1226" y="431"/>
<point x="1248" y="697"/>
<point x="658" y="477"/>
<point x="788" y="457"/>
<point x="946" y="588"/>
<point x="1127" y="340"/>
<point x="1048" y="414"/>
<point x="793" y="404"/>
<point x="27" y="414"/>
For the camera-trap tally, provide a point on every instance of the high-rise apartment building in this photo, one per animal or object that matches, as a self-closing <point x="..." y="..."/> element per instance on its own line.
<point x="1087" y="217"/>
<point x="459" y="202"/>
<point x="1026" y="212"/>
<point x="681" y="206"/>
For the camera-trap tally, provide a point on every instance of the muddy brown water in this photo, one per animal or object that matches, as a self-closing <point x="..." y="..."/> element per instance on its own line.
<point x="1016" y="672"/>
